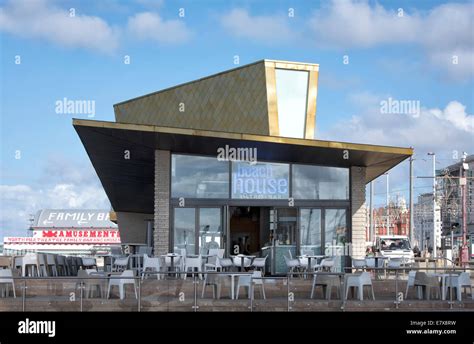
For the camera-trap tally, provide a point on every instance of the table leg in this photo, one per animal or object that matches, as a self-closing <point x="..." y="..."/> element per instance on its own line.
<point x="232" y="291"/>
<point x="443" y="291"/>
<point x="309" y="264"/>
<point x="172" y="265"/>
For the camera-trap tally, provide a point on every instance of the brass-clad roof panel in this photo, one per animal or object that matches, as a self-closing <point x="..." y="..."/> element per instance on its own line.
<point x="233" y="101"/>
<point x="240" y="100"/>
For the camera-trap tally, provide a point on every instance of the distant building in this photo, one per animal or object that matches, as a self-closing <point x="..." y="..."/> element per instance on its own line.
<point x="423" y="222"/>
<point x="399" y="219"/>
<point x="449" y="192"/>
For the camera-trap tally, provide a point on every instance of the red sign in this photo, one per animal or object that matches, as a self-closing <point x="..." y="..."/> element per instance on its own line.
<point x="68" y="237"/>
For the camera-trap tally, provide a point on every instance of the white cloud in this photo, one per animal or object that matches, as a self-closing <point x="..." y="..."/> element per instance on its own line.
<point x="271" y="28"/>
<point x="444" y="32"/>
<point x="440" y="130"/>
<point x="19" y="201"/>
<point x="61" y="184"/>
<point x="357" y="24"/>
<point x="434" y="129"/>
<point x="455" y="113"/>
<point x="38" y="19"/>
<point x="150" y="26"/>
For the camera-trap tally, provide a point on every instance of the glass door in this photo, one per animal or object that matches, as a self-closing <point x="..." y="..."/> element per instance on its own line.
<point x="336" y="236"/>
<point x="196" y="230"/>
<point x="323" y="231"/>
<point x="310" y="231"/>
<point x="283" y="224"/>
<point x="210" y="229"/>
<point x="184" y="234"/>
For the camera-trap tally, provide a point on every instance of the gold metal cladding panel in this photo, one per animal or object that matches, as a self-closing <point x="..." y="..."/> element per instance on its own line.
<point x="272" y="104"/>
<point x="311" y="104"/>
<point x="235" y="101"/>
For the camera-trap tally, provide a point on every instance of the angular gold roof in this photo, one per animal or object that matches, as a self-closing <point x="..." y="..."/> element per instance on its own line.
<point x="241" y="100"/>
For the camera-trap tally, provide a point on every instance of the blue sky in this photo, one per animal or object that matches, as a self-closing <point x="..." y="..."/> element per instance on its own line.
<point x="407" y="57"/>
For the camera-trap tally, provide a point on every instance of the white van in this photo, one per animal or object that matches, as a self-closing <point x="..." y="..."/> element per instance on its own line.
<point x="395" y="246"/>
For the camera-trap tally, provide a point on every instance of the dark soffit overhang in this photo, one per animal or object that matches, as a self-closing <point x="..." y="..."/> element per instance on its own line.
<point x="129" y="183"/>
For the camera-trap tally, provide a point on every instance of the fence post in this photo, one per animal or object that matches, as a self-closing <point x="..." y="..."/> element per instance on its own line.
<point x="397" y="302"/>
<point x="450" y="289"/>
<point x="288" y="291"/>
<point x="23" y="296"/>
<point x="139" y="293"/>
<point x="195" y="284"/>
<point x="81" y="287"/>
<point x="251" y="293"/>
<point x="343" y="291"/>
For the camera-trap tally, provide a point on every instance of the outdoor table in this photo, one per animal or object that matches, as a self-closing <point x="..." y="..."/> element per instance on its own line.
<point x="203" y="256"/>
<point x="172" y="256"/>
<point x="328" y="281"/>
<point x="242" y="258"/>
<point x="309" y="257"/>
<point x="105" y="274"/>
<point x="443" y="280"/>
<point x="232" y="283"/>
<point x="135" y="262"/>
<point x="108" y="261"/>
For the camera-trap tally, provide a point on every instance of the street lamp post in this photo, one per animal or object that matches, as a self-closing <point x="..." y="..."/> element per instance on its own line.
<point x="463" y="184"/>
<point x="412" y="235"/>
<point x="371" y="215"/>
<point x="435" y="236"/>
<point x="388" y="205"/>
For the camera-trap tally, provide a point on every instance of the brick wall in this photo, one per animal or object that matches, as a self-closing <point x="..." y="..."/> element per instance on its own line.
<point x="358" y="211"/>
<point x="162" y="203"/>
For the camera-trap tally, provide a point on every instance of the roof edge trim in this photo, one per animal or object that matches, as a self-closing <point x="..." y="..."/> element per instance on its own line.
<point x="241" y="136"/>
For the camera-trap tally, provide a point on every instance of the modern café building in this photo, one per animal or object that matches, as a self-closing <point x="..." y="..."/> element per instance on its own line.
<point x="231" y="161"/>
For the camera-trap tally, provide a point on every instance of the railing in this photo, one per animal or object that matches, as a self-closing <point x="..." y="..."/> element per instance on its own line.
<point x="170" y="292"/>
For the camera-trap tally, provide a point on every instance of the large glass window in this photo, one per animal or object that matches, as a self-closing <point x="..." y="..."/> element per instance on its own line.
<point x="310" y="231"/>
<point x="336" y="236"/>
<point x="199" y="177"/>
<point x="260" y="180"/>
<point x="184" y="230"/>
<point x="284" y="236"/>
<point x="292" y="90"/>
<point x="210" y="229"/>
<point x="320" y="182"/>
